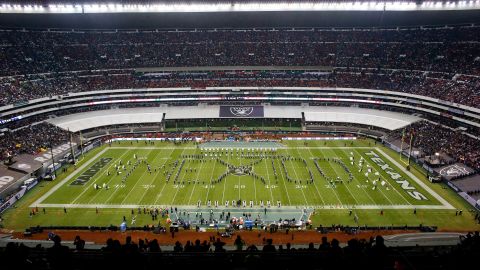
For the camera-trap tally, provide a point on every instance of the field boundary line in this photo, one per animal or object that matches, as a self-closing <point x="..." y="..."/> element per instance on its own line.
<point x="149" y="147"/>
<point x="299" y="207"/>
<point x="68" y="178"/>
<point x="287" y="147"/>
<point x="330" y="147"/>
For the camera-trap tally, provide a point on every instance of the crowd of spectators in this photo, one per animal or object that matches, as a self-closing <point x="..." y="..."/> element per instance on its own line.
<point x="432" y="138"/>
<point x="31" y="139"/>
<point x="459" y="89"/>
<point x="439" y="49"/>
<point x="423" y="61"/>
<point x="144" y="254"/>
<point x="442" y="63"/>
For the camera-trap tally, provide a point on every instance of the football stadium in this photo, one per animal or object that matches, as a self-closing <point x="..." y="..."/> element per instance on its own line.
<point x="239" y="134"/>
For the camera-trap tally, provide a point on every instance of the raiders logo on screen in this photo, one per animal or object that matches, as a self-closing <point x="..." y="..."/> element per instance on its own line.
<point x="453" y="171"/>
<point x="241" y="111"/>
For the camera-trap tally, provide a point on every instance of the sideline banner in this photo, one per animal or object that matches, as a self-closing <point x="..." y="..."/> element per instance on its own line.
<point x="13" y="199"/>
<point x="17" y="196"/>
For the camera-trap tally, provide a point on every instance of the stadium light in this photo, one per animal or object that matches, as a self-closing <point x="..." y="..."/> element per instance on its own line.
<point x="113" y="7"/>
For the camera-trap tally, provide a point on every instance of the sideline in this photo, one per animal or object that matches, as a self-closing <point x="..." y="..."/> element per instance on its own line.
<point x="281" y="209"/>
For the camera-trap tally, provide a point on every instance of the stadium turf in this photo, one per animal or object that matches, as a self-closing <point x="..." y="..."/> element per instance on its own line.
<point x="256" y="175"/>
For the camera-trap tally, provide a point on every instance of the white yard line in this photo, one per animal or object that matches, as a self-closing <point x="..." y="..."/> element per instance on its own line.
<point x="224" y="183"/>
<point x="394" y="188"/>
<point x="108" y="182"/>
<point x="141" y="177"/>
<point x="418" y="181"/>
<point x="239" y="185"/>
<point x="93" y="181"/>
<point x="314" y="184"/>
<point x="116" y="190"/>
<point x="166" y="183"/>
<point x="366" y="192"/>
<point x="346" y="185"/>
<point x="269" y="183"/>
<point x="194" y="185"/>
<point x="283" y="181"/>
<point x="68" y="178"/>
<point x="301" y="189"/>
<point x="211" y="176"/>
<point x="223" y="193"/>
<point x="156" y="176"/>
<point x="255" y="190"/>
<point x="179" y="173"/>
<point x="334" y="190"/>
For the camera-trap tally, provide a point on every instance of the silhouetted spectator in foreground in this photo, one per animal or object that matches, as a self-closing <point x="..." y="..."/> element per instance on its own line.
<point x="219" y="246"/>
<point x="79" y="243"/>
<point x="58" y="254"/>
<point x="178" y="247"/>
<point x="269" y="247"/>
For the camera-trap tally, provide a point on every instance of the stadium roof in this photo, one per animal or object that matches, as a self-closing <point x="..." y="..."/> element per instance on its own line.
<point x="87" y="120"/>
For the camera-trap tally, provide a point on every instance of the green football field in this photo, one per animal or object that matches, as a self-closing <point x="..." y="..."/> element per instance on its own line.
<point x="321" y="179"/>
